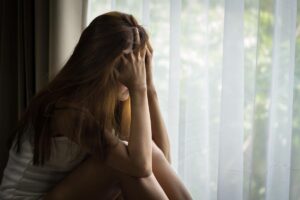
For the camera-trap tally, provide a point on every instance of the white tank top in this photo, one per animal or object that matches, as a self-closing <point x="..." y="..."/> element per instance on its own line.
<point x="23" y="180"/>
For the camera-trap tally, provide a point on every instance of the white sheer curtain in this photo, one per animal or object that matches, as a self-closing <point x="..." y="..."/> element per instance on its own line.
<point x="228" y="79"/>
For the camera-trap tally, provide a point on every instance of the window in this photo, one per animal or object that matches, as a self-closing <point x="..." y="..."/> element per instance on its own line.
<point x="228" y="80"/>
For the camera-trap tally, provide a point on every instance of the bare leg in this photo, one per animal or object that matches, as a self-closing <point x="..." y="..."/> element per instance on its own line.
<point x="142" y="188"/>
<point x="164" y="174"/>
<point x="95" y="180"/>
<point x="168" y="179"/>
<point x="88" y="181"/>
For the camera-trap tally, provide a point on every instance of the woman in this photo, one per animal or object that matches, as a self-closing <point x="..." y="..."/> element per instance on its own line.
<point x="96" y="131"/>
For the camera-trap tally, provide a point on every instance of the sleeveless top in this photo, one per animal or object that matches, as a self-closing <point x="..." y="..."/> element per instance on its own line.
<point x="23" y="180"/>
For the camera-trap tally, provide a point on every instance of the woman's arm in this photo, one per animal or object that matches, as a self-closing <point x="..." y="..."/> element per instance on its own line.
<point x="136" y="158"/>
<point x="158" y="127"/>
<point x="159" y="130"/>
<point x="139" y="149"/>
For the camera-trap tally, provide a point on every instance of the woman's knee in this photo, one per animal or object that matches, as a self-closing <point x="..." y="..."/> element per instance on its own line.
<point x="157" y="157"/>
<point x="157" y="154"/>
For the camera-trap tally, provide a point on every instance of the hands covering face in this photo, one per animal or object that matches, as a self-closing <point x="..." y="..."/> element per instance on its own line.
<point x="138" y="71"/>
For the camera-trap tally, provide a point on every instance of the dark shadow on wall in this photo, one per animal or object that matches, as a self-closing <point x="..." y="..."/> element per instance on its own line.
<point x="24" y="55"/>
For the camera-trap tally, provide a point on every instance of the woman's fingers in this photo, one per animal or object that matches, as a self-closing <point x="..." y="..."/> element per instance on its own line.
<point x="148" y="55"/>
<point x="137" y="36"/>
<point x="137" y="41"/>
<point x="143" y="53"/>
<point x="124" y="59"/>
<point x="149" y="46"/>
<point x="128" y="57"/>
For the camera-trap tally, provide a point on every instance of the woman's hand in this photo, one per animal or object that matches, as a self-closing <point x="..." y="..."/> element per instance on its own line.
<point x="133" y="73"/>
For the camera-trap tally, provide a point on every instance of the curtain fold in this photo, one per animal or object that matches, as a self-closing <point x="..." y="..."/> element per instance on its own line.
<point x="231" y="136"/>
<point x="8" y="74"/>
<point x="25" y="58"/>
<point x="18" y="65"/>
<point x="281" y="101"/>
<point x="295" y="152"/>
<point x="41" y="45"/>
<point x="172" y="121"/>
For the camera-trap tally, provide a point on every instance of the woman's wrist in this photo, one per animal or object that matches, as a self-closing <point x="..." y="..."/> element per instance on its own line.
<point x="151" y="90"/>
<point x="138" y="89"/>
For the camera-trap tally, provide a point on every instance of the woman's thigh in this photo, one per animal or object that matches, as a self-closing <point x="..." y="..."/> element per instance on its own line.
<point x="90" y="180"/>
<point x="93" y="179"/>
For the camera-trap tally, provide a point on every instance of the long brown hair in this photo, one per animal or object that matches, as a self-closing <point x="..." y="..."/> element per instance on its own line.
<point x="89" y="79"/>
